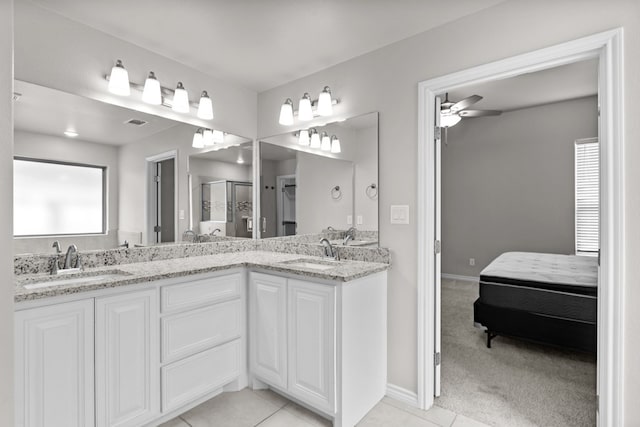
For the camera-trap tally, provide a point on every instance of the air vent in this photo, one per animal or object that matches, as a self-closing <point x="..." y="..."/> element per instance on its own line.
<point x="136" y="122"/>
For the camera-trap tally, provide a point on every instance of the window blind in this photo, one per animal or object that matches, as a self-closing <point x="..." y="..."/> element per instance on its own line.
<point x="587" y="196"/>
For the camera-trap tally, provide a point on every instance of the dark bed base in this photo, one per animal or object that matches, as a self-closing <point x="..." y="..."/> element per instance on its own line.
<point x="566" y="333"/>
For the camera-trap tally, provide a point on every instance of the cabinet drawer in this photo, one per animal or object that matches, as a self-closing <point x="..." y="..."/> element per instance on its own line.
<point x="195" y="376"/>
<point x="200" y="292"/>
<point x="195" y="330"/>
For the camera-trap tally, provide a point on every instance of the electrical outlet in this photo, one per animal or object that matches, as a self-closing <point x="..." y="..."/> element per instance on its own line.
<point x="181" y="214"/>
<point x="359" y="220"/>
<point x="349" y="219"/>
<point x="472" y="261"/>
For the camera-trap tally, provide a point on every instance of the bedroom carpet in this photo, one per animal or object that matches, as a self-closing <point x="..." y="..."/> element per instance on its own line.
<point x="515" y="383"/>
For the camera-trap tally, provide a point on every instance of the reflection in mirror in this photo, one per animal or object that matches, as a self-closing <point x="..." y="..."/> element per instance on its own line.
<point x="222" y="192"/>
<point x="305" y="190"/>
<point x="143" y="160"/>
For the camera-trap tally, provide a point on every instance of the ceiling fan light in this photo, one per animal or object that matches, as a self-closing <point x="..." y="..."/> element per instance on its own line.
<point x="286" y="113"/>
<point x="119" y="80"/>
<point x="335" y="145"/>
<point x="304" y="108"/>
<point x="198" y="141"/>
<point x="326" y="142"/>
<point x="207" y="137"/>
<point x="449" y="120"/>
<point x="325" y="104"/>
<point x="218" y="137"/>
<point x="151" y="93"/>
<point x="205" y="107"/>
<point x="315" y="139"/>
<point x="180" y="99"/>
<point x="303" y="138"/>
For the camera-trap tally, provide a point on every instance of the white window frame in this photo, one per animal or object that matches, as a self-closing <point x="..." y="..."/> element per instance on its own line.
<point x="579" y="247"/>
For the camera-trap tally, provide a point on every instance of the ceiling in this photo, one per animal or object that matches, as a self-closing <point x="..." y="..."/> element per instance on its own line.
<point x="262" y="44"/>
<point x="571" y="81"/>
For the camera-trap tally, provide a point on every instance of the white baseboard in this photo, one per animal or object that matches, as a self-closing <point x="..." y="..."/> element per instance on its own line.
<point x="403" y="395"/>
<point x="458" y="277"/>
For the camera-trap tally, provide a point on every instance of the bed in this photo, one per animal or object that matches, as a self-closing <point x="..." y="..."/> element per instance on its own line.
<point x="547" y="298"/>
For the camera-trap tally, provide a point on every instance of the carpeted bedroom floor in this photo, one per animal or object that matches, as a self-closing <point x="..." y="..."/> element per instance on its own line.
<point x="514" y="383"/>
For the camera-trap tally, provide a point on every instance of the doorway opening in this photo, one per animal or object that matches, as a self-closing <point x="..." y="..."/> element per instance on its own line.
<point x="162" y="221"/>
<point x="286" y="205"/>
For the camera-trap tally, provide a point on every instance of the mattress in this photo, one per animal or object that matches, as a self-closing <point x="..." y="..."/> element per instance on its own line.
<point x="563" y="286"/>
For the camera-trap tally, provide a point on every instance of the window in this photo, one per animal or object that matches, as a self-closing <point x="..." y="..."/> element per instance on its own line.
<point x="587" y="170"/>
<point x="56" y="198"/>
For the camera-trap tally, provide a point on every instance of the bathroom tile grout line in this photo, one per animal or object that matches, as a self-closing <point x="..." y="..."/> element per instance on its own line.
<point x="265" y="419"/>
<point x="185" y="421"/>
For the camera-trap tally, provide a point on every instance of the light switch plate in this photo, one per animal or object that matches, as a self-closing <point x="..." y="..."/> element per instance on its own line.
<point x="399" y="214"/>
<point x="349" y="219"/>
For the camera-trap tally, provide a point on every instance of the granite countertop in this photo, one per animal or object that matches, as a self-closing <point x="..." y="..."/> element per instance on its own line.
<point x="127" y="274"/>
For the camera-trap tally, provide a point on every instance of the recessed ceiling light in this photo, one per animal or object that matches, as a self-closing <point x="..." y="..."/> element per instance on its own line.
<point x="70" y="133"/>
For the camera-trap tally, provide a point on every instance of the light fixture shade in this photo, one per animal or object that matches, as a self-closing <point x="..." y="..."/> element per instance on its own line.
<point x="119" y="80"/>
<point x="315" y="139"/>
<point x="326" y="142"/>
<point x="449" y="120"/>
<point x="151" y="93"/>
<point x="325" y="104"/>
<point x="303" y="137"/>
<point x="304" y="108"/>
<point x="198" y="140"/>
<point x="218" y="136"/>
<point x="286" y="113"/>
<point x="207" y="136"/>
<point x="205" y="107"/>
<point x="180" y="100"/>
<point x="335" y="144"/>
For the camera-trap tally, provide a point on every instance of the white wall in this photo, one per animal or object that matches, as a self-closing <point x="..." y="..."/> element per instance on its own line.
<point x="386" y="80"/>
<point x="6" y="213"/>
<point x="508" y="183"/>
<point x="39" y="146"/>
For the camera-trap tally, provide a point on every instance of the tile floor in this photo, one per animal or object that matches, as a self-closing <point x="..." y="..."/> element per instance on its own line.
<point x="264" y="408"/>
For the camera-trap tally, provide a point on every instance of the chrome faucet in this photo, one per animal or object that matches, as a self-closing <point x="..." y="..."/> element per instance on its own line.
<point x="329" y="251"/>
<point x="56" y="246"/>
<point x="350" y="234"/>
<point x="67" y="259"/>
<point x="213" y="233"/>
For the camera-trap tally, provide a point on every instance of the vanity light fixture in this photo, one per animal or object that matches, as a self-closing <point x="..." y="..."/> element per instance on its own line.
<point x="315" y="139"/>
<point x="205" y="107"/>
<point x="119" y="80"/>
<point x="151" y="94"/>
<point x="325" y="104"/>
<point x="304" y="108"/>
<point x="198" y="140"/>
<point x="335" y="144"/>
<point x="207" y="137"/>
<point x="180" y="99"/>
<point x="303" y="138"/>
<point x="326" y="142"/>
<point x="70" y="133"/>
<point x="240" y="160"/>
<point x="286" y="113"/>
<point x="217" y="137"/>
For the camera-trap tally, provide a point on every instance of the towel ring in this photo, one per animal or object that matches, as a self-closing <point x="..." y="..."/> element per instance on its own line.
<point x="372" y="191"/>
<point x="336" y="194"/>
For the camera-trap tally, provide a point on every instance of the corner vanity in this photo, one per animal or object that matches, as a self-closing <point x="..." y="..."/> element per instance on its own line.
<point x="140" y="343"/>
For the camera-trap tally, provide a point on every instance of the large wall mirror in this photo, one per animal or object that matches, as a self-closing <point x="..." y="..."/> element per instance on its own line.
<point x="101" y="176"/>
<point x="308" y="185"/>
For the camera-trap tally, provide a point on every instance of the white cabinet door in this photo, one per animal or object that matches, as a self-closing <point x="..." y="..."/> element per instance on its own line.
<point x="311" y="343"/>
<point x="54" y="365"/>
<point x="268" y="328"/>
<point x="127" y="359"/>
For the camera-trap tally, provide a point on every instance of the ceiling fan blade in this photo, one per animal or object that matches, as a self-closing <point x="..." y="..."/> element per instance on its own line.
<point x="479" y="113"/>
<point x="465" y="103"/>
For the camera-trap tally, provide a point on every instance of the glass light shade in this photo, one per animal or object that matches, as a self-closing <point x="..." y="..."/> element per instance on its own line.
<point x="286" y="113"/>
<point x="119" y="80"/>
<point x="326" y="142"/>
<point x="207" y="136"/>
<point x="151" y="93"/>
<point x="180" y="100"/>
<point x="449" y="120"/>
<point x="335" y="144"/>
<point x="198" y="140"/>
<point x="325" y="104"/>
<point x="205" y="107"/>
<point x="218" y="136"/>
<point x="304" y="108"/>
<point x="303" y="137"/>
<point x="315" y="139"/>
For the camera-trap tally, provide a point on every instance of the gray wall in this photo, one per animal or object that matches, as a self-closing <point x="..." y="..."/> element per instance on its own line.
<point x="508" y="183"/>
<point x="386" y="80"/>
<point x="6" y="213"/>
<point x="270" y="171"/>
<point x="49" y="147"/>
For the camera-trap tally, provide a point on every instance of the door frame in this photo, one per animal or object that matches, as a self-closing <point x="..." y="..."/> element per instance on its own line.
<point x="279" y="202"/>
<point x="608" y="48"/>
<point x="150" y="207"/>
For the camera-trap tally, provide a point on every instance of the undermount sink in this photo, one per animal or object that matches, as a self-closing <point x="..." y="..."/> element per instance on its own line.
<point x="76" y="278"/>
<point x="311" y="264"/>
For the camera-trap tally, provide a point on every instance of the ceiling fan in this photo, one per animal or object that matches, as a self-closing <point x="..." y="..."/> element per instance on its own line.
<point x="452" y="112"/>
